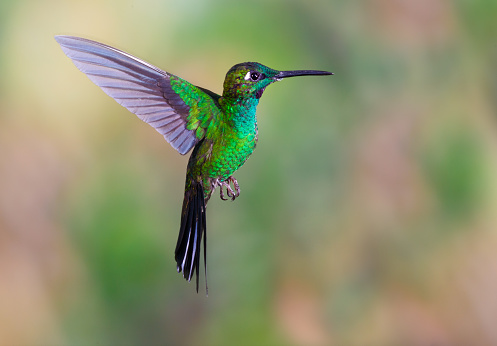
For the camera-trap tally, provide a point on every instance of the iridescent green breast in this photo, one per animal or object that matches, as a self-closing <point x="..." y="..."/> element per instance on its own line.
<point x="225" y="152"/>
<point x="230" y="154"/>
<point x="237" y="137"/>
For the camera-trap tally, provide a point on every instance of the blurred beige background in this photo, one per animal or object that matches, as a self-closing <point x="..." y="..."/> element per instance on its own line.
<point x="367" y="214"/>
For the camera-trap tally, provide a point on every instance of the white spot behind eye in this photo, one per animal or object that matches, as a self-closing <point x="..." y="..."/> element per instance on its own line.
<point x="247" y="76"/>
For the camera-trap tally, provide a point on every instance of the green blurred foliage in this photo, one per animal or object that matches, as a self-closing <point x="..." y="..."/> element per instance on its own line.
<point x="367" y="213"/>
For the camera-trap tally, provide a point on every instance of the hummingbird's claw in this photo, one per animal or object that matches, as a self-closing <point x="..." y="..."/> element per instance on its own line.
<point x="236" y="186"/>
<point x="221" y="192"/>
<point x="229" y="191"/>
<point x="232" y="193"/>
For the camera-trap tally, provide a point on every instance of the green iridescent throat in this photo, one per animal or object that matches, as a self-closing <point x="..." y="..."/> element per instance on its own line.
<point x="240" y="115"/>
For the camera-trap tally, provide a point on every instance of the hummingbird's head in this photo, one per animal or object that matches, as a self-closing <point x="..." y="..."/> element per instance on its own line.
<point x="248" y="80"/>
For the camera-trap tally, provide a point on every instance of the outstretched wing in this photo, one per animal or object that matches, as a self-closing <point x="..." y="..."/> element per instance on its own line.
<point x="177" y="109"/>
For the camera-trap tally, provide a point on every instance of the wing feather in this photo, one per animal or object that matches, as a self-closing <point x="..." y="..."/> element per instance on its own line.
<point x="144" y="90"/>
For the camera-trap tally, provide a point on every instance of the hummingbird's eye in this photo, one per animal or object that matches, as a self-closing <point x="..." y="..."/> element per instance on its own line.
<point x="254" y="75"/>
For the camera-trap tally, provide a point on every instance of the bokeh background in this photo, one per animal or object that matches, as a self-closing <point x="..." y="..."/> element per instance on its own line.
<point x="368" y="212"/>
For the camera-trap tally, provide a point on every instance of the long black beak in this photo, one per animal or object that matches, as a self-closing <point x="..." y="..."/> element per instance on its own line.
<point x="286" y="74"/>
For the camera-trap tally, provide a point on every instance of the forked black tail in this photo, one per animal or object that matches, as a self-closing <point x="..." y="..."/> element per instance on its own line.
<point x="193" y="227"/>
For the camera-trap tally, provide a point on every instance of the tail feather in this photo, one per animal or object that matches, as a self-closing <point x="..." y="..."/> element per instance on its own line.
<point x="192" y="229"/>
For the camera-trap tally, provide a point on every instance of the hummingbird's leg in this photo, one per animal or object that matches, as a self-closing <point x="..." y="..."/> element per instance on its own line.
<point x="232" y="194"/>
<point x="236" y="186"/>
<point x="221" y="192"/>
<point x="229" y="190"/>
<point x="216" y="183"/>
<point x="224" y="184"/>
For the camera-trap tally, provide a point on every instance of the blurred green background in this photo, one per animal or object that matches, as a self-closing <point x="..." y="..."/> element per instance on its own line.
<point x="368" y="211"/>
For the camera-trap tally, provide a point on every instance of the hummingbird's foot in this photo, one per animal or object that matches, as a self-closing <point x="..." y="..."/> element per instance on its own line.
<point x="229" y="191"/>
<point x="232" y="194"/>
<point x="221" y="192"/>
<point x="235" y="185"/>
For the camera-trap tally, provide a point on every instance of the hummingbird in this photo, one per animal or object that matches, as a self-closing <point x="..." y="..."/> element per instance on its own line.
<point x="221" y="129"/>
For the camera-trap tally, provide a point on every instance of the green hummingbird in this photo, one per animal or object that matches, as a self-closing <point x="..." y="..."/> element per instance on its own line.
<point x="222" y="130"/>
